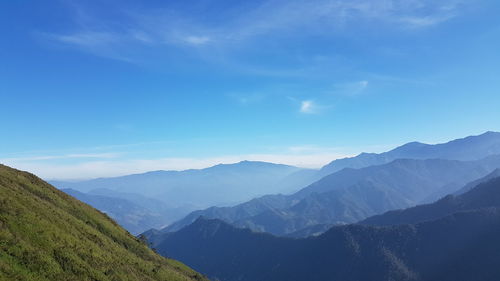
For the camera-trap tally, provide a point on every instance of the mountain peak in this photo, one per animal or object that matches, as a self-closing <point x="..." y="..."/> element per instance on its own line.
<point x="465" y="149"/>
<point x="207" y="227"/>
<point x="490" y="133"/>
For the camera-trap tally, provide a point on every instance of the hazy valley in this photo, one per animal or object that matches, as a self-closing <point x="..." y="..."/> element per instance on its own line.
<point x="378" y="219"/>
<point x="266" y="140"/>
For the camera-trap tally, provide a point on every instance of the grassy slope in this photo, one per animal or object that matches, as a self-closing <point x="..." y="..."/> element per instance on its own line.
<point x="48" y="235"/>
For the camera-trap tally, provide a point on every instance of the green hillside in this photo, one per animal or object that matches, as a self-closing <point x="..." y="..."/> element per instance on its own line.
<point x="48" y="235"/>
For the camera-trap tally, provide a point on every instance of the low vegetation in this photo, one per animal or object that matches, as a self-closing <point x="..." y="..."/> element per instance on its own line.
<point x="46" y="234"/>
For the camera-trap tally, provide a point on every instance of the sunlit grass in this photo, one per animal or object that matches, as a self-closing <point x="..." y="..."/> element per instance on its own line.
<point x="48" y="235"/>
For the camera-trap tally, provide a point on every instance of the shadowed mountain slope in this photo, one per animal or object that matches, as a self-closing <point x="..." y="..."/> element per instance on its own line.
<point x="461" y="246"/>
<point x="471" y="185"/>
<point x="485" y="194"/>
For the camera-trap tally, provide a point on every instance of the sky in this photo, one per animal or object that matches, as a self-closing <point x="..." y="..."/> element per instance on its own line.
<point x="104" y="88"/>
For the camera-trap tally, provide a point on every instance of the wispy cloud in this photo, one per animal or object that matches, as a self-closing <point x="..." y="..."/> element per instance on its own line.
<point x="108" y="168"/>
<point x="351" y="88"/>
<point x="90" y="39"/>
<point x="312" y="106"/>
<point x="197" y="40"/>
<point x="308" y="106"/>
<point x="168" y="27"/>
<point x="247" y="98"/>
<point x="108" y="164"/>
<point x="61" y="157"/>
<point x="424" y="21"/>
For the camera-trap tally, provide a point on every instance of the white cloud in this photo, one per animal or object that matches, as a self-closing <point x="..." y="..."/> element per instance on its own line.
<point x="312" y="107"/>
<point x="197" y="40"/>
<point x="424" y="21"/>
<point x="308" y="107"/>
<point x="363" y="84"/>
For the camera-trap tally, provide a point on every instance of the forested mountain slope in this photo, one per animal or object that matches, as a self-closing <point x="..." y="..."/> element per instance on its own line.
<point x="461" y="246"/>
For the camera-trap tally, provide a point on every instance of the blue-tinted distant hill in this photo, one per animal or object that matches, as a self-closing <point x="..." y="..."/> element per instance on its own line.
<point x="471" y="185"/>
<point x="466" y="149"/>
<point x="218" y="185"/>
<point x="350" y="195"/>
<point x="376" y="184"/>
<point x="481" y="193"/>
<point x="134" y="217"/>
<point x="460" y="245"/>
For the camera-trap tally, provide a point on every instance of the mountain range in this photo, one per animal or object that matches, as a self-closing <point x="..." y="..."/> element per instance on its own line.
<point x="47" y="235"/>
<point x="160" y="198"/>
<point x="455" y="238"/>
<point x="365" y="185"/>
<point x="218" y="185"/>
<point x="351" y="195"/>
<point x="171" y="195"/>
<point x="465" y="149"/>
<point x="367" y="217"/>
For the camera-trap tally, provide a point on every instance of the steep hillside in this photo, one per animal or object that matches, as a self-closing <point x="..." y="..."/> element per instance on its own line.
<point x="46" y="234"/>
<point x="462" y="246"/>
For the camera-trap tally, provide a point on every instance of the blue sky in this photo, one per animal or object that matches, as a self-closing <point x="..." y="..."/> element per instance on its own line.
<point x="102" y="88"/>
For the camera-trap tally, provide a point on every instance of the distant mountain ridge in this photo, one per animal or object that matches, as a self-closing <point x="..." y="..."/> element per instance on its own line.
<point x="471" y="185"/>
<point x="485" y="193"/>
<point x="350" y="195"/>
<point x="465" y="149"/>
<point x="396" y="178"/>
<point x="158" y="198"/>
<point x="216" y="185"/>
<point x="460" y="246"/>
<point x="133" y="217"/>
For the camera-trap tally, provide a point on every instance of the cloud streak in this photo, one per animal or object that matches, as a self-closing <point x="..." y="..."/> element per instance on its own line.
<point x="351" y="89"/>
<point x="62" y="157"/>
<point x="71" y="166"/>
<point x="197" y="40"/>
<point x="109" y="168"/>
<point x="89" y="39"/>
<point x="169" y="27"/>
